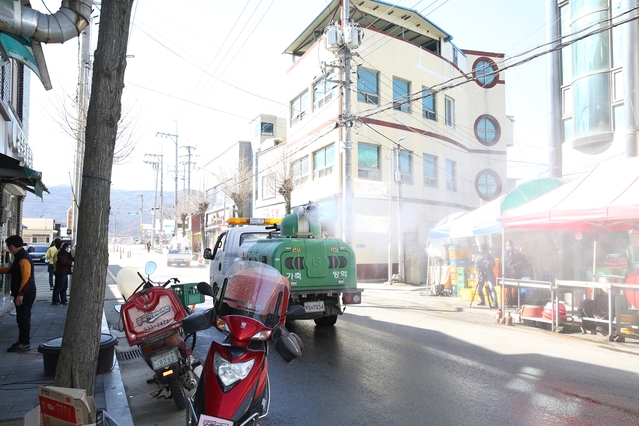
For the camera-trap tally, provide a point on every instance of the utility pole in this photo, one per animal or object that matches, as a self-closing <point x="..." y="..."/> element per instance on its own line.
<point x="347" y="213"/>
<point x="141" y="212"/>
<point x="174" y="138"/>
<point x="188" y="164"/>
<point x="84" y="69"/>
<point x="398" y="179"/>
<point x="157" y="164"/>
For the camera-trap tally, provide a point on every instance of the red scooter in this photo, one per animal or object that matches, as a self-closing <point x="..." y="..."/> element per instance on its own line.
<point x="152" y="316"/>
<point x="249" y="311"/>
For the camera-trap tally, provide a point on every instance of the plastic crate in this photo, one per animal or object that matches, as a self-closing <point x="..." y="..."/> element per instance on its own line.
<point x="188" y="293"/>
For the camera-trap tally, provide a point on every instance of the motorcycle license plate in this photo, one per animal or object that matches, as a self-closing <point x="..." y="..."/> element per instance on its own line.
<point x="213" y="421"/>
<point x="163" y="359"/>
<point x="317" y="306"/>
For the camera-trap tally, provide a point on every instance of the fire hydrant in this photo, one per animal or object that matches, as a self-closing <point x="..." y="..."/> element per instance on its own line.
<point x="498" y="316"/>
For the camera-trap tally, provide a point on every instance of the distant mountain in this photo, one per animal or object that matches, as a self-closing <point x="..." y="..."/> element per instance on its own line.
<point x="56" y="204"/>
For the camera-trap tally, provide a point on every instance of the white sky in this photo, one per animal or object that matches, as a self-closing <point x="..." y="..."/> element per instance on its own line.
<point x="189" y="53"/>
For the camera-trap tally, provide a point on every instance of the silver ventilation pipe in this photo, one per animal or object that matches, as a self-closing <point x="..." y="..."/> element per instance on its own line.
<point x="67" y="23"/>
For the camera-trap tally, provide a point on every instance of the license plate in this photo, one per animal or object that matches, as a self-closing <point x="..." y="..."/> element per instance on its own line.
<point x="164" y="359"/>
<point x="213" y="421"/>
<point x="314" y="306"/>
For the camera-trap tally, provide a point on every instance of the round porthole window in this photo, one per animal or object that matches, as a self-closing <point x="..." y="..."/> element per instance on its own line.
<point x="485" y="72"/>
<point x="487" y="130"/>
<point x="488" y="184"/>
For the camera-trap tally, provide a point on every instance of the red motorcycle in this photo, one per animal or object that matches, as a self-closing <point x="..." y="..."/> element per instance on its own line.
<point x="152" y="316"/>
<point x="249" y="311"/>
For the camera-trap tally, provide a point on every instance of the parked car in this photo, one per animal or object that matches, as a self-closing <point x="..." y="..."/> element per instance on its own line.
<point x="38" y="252"/>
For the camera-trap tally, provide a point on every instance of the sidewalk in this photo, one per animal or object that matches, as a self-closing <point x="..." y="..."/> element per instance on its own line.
<point x="22" y="373"/>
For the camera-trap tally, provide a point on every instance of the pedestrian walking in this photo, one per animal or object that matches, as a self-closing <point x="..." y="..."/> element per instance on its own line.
<point x="148" y="246"/>
<point x="484" y="264"/>
<point x="62" y="272"/>
<point x="23" y="290"/>
<point x="50" y="260"/>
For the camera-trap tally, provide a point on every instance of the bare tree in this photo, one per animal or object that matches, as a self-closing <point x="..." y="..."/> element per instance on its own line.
<point x="126" y="140"/>
<point x="237" y="184"/>
<point x="282" y="180"/>
<point x="201" y="202"/>
<point x="81" y="339"/>
<point x="184" y="209"/>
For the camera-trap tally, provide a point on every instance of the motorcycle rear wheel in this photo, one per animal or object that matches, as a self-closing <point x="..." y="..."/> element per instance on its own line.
<point x="178" y="394"/>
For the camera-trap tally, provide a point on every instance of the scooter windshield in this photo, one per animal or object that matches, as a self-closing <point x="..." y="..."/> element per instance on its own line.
<point x="255" y="290"/>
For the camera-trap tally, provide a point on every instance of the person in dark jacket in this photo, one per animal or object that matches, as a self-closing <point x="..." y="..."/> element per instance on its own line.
<point x="514" y="262"/>
<point x="23" y="290"/>
<point x="62" y="271"/>
<point x="484" y="264"/>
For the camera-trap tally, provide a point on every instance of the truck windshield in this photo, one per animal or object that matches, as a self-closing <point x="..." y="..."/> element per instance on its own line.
<point x="253" y="237"/>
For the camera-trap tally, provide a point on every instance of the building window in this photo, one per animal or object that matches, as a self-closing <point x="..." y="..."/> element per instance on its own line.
<point x="488" y="184"/>
<point x="485" y="72"/>
<point x="405" y="166"/>
<point x="428" y="105"/>
<point x="401" y="95"/>
<point x="299" y="170"/>
<point x="367" y="86"/>
<point x="430" y="171"/>
<point x="299" y="108"/>
<point x="487" y="130"/>
<point x="368" y="162"/>
<point x="618" y="116"/>
<point x="566" y="101"/>
<point x="324" y="162"/>
<point x="324" y="90"/>
<point x="266" y="129"/>
<point x="268" y="186"/>
<point x="449" y="111"/>
<point x="451" y="175"/>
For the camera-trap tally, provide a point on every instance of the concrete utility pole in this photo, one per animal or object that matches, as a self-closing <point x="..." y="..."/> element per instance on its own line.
<point x="157" y="165"/>
<point x="188" y="163"/>
<point x="347" y="212"/>
<point x="398" y="179"/>
<point x="141" y="212"/>
<point x="174" y="138"/>
<point x="84" y="68"/>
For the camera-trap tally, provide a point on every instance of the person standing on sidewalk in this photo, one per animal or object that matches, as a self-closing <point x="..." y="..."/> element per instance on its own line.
<point x="484" y="264"/>
<point x="50" y="259"/>
<point x="23" y="290"/>
<point x="62" y="272"/>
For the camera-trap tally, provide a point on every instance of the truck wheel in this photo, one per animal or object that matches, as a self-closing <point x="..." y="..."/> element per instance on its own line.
<point x="326" y="321"/>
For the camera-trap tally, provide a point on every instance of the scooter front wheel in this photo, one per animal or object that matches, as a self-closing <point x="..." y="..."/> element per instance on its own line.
<point x="178" y="394"/>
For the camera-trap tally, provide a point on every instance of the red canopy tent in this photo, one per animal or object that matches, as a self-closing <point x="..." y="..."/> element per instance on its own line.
<point x="607" y="196"/>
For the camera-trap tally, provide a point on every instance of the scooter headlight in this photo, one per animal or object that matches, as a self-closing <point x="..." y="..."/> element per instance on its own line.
<point x="230" y="373"/>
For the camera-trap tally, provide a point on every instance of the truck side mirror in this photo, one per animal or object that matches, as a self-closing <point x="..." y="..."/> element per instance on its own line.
<point x="207" y="254"/>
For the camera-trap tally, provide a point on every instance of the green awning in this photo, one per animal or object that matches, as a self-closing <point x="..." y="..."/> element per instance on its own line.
<point x="529" y="190"/>
<point x="26" y="51"/>
<point x="13" y="171"/>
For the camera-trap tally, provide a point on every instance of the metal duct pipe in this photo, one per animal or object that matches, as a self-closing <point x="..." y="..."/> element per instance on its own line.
<point x="65" y="24"/>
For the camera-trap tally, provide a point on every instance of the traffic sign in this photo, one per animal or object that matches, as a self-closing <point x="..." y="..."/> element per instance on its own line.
<point x="133" y="213"/>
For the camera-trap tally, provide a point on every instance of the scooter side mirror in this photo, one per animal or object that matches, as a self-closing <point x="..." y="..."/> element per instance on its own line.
<point x="205" y="289"/>
<point x="150" y="268"/>
<point x="288" y="346"/>
<point x="199" y="321"/>
<point x="295" y="312"/>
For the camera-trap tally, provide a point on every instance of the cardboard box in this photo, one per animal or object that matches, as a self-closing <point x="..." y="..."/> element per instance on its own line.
<point x="62" y="407"/>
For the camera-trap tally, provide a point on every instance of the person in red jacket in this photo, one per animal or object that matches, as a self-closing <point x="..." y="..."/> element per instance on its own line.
<point x="23" y="290"/>
<point x="62" y="271"/>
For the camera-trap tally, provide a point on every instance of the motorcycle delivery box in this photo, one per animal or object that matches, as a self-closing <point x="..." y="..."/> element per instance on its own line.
<point x="62" y="407"/>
